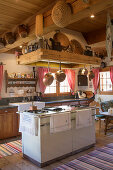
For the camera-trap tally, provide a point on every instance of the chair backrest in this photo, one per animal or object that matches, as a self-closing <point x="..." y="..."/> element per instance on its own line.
<point x="96" y="104"/>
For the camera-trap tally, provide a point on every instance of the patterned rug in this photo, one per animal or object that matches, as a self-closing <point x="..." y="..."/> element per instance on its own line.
<point x="101" y="158"/>
<point x="10" y="148"/>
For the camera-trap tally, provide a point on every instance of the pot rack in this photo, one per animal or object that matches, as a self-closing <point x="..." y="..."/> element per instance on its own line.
<point x="57" y="56"/>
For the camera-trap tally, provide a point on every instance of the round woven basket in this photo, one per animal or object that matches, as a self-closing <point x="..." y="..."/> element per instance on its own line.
<point x="76" y="47"/>
<point x="61" y="13"/>
<point x="62" y="38"/>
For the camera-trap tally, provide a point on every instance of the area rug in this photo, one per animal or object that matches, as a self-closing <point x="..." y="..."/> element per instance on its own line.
<point x="101" y="158"/>
<point x="10" y="148"/>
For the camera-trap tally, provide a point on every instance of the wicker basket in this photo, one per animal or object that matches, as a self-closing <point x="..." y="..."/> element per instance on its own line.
<point x="61" y="13"/>
<point x="76" y="47"/>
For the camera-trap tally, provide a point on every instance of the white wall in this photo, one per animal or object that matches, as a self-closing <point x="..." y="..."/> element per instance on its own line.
<point x="11" y="66"/>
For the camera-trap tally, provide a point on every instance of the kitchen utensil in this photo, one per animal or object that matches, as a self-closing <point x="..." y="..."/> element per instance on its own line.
<point x="22" y="30"/>
<point x="55" y="45"/>
<point x="61" y="13"/>
<point x="76" y="46"/>
<point x="48" y="78"/>
<point x="62" y="38"/>
<point x="91" y="75"/>
<point x="88" y="51"/>
<point x="103" y="64"/>
<point x="60" y="75"/>
<point x="2" y="43"/>
<point x="10" y="38"/>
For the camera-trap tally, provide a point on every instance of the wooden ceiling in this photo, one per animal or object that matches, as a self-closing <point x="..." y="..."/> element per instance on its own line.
<point x="14" y="12"/>
<point x="91" y="24"/>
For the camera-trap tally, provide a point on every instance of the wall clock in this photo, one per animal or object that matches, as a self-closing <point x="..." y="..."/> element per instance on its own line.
<point x="109" y="36"/>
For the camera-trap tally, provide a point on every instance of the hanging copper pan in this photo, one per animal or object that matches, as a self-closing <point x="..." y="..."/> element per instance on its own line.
<point x="48" y="78"/>
<point x="60" y="75"/>
<point x="22" y="31"/>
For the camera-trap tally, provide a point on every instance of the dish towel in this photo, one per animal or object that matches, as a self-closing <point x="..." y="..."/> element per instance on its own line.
<point x="83" y="118"/>
<point x="28" y="124"/>
<point x="60" y="122"/>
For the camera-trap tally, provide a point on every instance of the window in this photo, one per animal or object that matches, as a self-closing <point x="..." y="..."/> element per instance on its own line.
<point x="57" y="88"/>
<point x="105" y="82"/>
<point x="64" y="86"/>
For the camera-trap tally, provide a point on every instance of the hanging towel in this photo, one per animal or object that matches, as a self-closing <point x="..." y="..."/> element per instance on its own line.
<point x="83" y="118"/>
<point x="28" y="123"/>
<point x="60" y="122"/>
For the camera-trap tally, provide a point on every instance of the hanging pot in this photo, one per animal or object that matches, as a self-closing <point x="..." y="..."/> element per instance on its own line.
<point x="10" y="38"/>
<point x="103" y="64"/>
<point x="23" y="31"/>
<point x="60" y="75"/>
<point x="48" y="79"/>
<point x="91" y="75"/>
<point x="61" y="13"/>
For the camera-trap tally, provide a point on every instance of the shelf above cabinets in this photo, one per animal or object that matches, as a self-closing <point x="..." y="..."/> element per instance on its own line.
<point x="20" y="82"/>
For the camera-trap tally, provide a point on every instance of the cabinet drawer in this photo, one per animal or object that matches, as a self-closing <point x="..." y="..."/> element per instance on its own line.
<point x="8" y="110"/>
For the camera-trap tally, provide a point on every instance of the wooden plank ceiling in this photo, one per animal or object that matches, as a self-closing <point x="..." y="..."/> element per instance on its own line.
<point x="14" y="12"/>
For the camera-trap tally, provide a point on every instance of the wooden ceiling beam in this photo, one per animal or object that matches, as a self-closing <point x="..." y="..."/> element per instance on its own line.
<point x="95" y="36"/>
<point x="83" y="11"/>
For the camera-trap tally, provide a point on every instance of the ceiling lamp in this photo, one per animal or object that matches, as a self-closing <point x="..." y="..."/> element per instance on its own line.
<point x="61" y="13"/>
<point x="92" y="16"/>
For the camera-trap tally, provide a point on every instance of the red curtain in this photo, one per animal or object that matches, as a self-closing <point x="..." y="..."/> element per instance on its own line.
<point x="41" y="72"/>
<point x="1" y="78"/>
<point x="111" y="74"/>
<point x="95" y="79"/>
<point x="71" y="78"/>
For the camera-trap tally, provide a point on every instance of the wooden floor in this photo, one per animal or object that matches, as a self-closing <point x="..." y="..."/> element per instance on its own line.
<point x="16" y="162"/>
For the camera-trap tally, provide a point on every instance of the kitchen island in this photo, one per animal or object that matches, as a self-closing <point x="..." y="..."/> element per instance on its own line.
<point x="52" y="142"/>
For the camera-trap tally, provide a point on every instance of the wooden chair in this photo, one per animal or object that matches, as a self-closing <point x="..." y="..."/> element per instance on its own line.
<point x="98" y="115"/>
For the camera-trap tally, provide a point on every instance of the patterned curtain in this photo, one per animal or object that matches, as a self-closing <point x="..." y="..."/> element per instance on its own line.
<point x="111" y="74"/>
<point x="1" y="78"/>
<point x="71" y="78"/>
<point x="96" y="79"/>
<point x="41" y="72"/>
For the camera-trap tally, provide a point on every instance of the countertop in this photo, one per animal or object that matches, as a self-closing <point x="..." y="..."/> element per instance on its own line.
<point x="67" y="100"/>
<point x="7" y="107"/>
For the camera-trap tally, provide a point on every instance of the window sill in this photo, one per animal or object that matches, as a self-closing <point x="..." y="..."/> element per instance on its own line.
<point x="106" y="93"/>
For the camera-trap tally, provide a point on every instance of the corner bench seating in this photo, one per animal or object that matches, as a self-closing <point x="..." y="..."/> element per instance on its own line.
<point x="104" y="108"/>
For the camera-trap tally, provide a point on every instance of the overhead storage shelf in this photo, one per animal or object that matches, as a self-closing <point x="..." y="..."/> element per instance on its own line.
<point x="56" y="56"/>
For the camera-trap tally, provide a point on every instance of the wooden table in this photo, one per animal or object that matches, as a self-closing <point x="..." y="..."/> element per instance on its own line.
<point x="108" y="117"/>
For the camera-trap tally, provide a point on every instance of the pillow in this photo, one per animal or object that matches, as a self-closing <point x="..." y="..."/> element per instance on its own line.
<point x="105" y="106"/>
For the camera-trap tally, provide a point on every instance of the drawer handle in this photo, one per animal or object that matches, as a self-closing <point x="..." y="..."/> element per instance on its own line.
<point x="6" y="111"/>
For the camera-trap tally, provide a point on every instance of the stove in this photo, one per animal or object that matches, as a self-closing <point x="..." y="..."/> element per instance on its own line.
<point x="37" y="111"/>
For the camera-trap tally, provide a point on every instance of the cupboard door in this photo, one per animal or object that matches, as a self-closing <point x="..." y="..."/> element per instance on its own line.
<point x="10" y="125"/>
<point x="2" y="120"/>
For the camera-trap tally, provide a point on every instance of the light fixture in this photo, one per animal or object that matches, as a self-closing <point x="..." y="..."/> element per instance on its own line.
<point x="20" y="46"/>
<point x="92" y="16"/>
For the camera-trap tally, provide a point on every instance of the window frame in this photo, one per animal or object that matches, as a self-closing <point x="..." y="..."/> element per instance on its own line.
<point x="105" y="92"/>
<point x="57" y="89"/>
